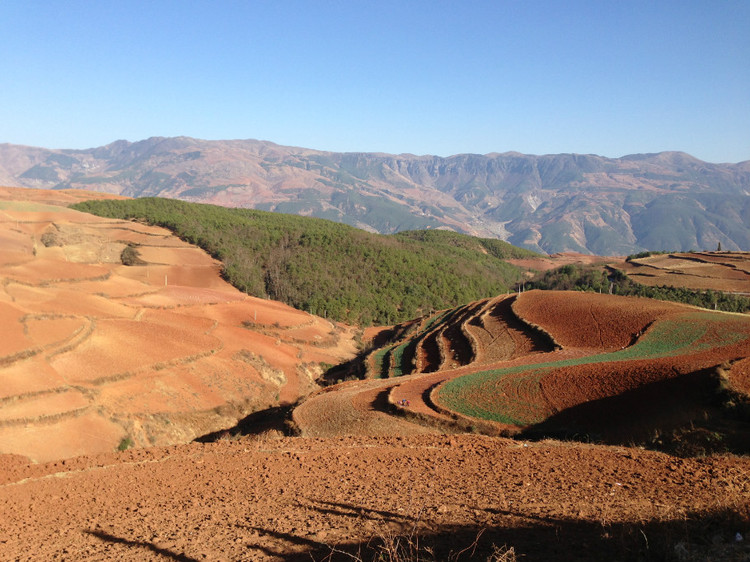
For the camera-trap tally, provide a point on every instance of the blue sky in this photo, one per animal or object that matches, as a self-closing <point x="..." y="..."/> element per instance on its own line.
<point x="608" y="78"/>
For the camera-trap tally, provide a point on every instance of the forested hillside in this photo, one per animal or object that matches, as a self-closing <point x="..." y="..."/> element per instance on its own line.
<point x="331" y="269"/>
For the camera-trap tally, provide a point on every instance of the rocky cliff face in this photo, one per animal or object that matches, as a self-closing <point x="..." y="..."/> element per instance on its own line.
<point x="552" y="203"/>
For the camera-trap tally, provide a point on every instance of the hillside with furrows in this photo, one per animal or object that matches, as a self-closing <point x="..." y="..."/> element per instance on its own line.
<point x="120" y="334"/>
<point x="717" y="271"/>
<point x="556" y="364"/>
<point x="456" y="436"/>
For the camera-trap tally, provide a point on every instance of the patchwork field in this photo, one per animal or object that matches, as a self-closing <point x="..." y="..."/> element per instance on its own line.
<point x="558" y="260"/>
<point x="718" y="271"/>
<point x="612" y="390"/>
<point x="616" y="369"/>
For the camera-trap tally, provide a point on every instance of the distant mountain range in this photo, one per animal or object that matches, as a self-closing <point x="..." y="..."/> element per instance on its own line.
<point x="551" y="203"/>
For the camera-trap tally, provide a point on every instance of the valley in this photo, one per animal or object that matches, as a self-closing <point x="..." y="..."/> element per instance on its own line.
<point x="532" y="425"/>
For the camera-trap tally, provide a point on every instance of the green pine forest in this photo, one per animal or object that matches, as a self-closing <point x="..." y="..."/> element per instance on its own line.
<point x="331" y="269"/>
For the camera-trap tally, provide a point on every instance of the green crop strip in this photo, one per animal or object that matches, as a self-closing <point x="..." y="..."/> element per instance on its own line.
<point x="435" y="319"/>
<point x="398" y="358"/>
<point x="378" y="362"/>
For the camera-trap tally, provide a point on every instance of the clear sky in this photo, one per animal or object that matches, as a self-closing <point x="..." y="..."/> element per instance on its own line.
<point x="423" y="77"/>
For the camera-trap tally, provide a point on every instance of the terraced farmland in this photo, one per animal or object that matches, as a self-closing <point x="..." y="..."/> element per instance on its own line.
<point x="559" y="363"/>
<point x="718" y="271"/>
<point x="479" y="332"/>
<point x="525" y="395"/>
<point x="96" y="352"/>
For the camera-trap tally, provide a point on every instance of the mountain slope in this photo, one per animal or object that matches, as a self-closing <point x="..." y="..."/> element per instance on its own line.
<point x="552" y="203"/>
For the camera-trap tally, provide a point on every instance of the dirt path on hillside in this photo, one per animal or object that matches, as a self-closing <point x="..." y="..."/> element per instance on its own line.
<point x="305" y="499"/>
<point x="358" y="408"/>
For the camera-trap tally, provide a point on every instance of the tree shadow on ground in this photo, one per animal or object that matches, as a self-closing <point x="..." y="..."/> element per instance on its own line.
<point x="512" y="535"/>
<point x="502" y="535"/>
<point x="135" y="545"/>
<point x="270" y="419"/>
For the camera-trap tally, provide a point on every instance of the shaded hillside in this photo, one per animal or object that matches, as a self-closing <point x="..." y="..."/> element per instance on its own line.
<point x="551" y="203"/>
<point x="331" y="269"/>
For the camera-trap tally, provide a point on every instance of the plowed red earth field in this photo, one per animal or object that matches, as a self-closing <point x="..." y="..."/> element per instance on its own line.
<point x="557" y="260"/>
<point x="315" y="499"/>
<point x="591" y="320"/>
<point x="93" y="351"/>
<point x="641" y="358"/>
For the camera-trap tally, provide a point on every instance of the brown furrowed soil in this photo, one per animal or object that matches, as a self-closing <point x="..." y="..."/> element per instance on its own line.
<point x="94" y="352"/>
<point x="557" y="260"/>
<point x="590" y="320"/>
<point x="643" y="367"/>
<point x="613" y="352"/>
<point x="319" y="499"/>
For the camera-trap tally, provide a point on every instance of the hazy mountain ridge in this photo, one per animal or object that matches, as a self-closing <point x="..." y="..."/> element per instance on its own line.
<point x="549" y="203"/>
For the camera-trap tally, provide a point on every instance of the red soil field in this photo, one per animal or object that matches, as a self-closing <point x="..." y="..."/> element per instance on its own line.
<point x="65" y="437"/>
<point x="740" y="380"/>
<point x="50" y="405"/>
<point x="30" y="376"/>
<point x="618" y="399"/>
<point x="557" y="260"/>
<point x="13" y="342"/>
<point x="317" y="499"/>
<point x="61" y="198"/>
<point x="583" y="324"/>
<point x="589" y="320"/>
<point x="47" y="330"/>
<point x="157" y="352"/>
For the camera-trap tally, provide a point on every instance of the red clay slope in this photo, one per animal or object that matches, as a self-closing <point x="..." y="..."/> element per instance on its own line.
<point x="94" y="351"/>
<point x="718" y="271"/>
<point x="481" y="334"/>
<point x="608" y="374"/>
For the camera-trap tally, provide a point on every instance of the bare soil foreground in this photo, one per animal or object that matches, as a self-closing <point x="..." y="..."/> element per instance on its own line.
<point x="317" y="499"/>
